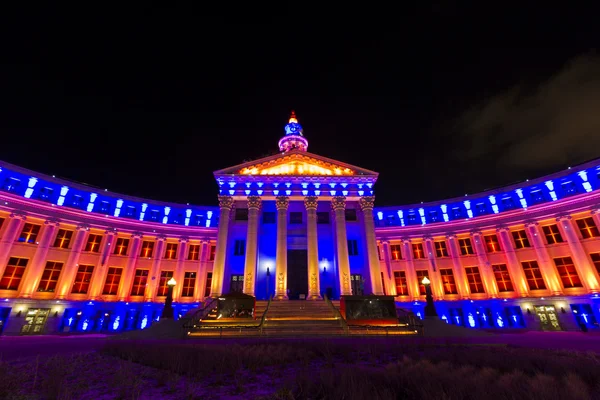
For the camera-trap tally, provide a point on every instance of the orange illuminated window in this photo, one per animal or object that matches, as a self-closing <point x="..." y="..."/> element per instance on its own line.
<point x="147" y="249"/>
<point x="440" y="249"/>
<point x="418" y="250"/>
<point x="171" y="252"/>
<point x="474" y="279"/>
<point x="587" y="227"/>
<point x="448" y="281"/>
<point x="400" y="282"/>
<point x="50" y="276"/>
<point x="189" y="281"/>
<point x="207" y="289"/>
<point x="93" y="243"/>
<point x="194" y="253"/>
<point x="491" y="243"/>
<point x="162" y="283"/>
<point x="113" y="279"/>
<point x="596" y="260"/>
<point x="502" y="278"/>
<point x="422" y="273"/>
<point x="521" y="240"/>
<point x="83" y="278"/>
<point x="13" y="273"/>
<point x="63" y="239"/>
<point x="29" y="233"/>
<point x="213" y="250"/>
<point x="396" y="250"/>
<point x="567" y="272"/>
<point x="466" y="248"/>
<point x="121" y="247"/>
<point x="534" y="277"/>
<point x="552" y="234"/>
<point x="140" y="280"/>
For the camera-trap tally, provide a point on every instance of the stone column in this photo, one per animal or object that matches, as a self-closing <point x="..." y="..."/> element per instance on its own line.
<point x="387" y="257"/>
<point x="546" y="264"/>
<point x="129" y="271"/>
<point x="72" y="265"/>
<point x="435" y="278"/>
<point x="180" y="268"/>
<point x="99" y="274"/>
<point x="225" y="204"/>
<point x="487" y="274"/>
<point x="366" y="204"/>
<point x="154" y="277"/>
<point x="411" y="274"/>
<point x="580" y="258"/>
<point x="282" y="203"/>
<point x="38" y="262"/>
<point x="514" y="266"/>
<point x="338" y="204"/>
<point x="314" y="286"/>
<point x="201" y="274"/>
<point x="459" y="272"/>
<point x="14" y="226"/>
<point x="251" y="245"/>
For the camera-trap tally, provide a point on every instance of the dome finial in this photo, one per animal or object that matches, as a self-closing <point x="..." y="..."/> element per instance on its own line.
<point x="293" y="117"/>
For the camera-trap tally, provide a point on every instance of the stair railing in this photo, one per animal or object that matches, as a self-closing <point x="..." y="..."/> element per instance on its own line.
<point x="201" y="313"/>
<point x="264" y="317"/>
<point x="409" y="318"/>
<point x="337" y="314"/>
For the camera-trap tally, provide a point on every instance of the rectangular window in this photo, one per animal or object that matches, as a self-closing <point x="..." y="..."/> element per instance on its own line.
<point x="1" y="222"/>
<point x="147" y="249"/>
<point x="162" y="283"/>
<point x="241" y="214"/>
<point x="552" y="234"/>
<point x="239" y="247"/>
<point x="93" y="243"/>
<point x="502" y="278"/>
<point x="350" y="214"/>
<point x="418" y="251"/>
<point x="448" y="281"/>
<point x="13" y="273"/>
<point x="207" y="289"/>
<point x="121" y="246"/>
<point x="400" y="281"/>
<point x="213" y="250"/>
<point x="322" y="217"/>
<point x="521" y="240"/>
<point x="466" y="248"/>
<point x="29" y="233"/>
<point x="269" y="217"/>
<point x="50" y="276"/>
<point x="474" y="279"/>
<point x="171" y="251"/>
<point x="596" y="260"/>
<point x="422" y="273"/>
<point x="194" y="253"/>
<point x="352" y="247"/>
<point x="491" y="243"/>
<point x="383" y="284"/>
<point x="81" y="285"/>
<point x="440" y="249"/>
<point x="295" y="217"/>
<point x="113" y="279"/>
<point x="189" y="281"/>
<point x="533" y="275"/>
<point x="567" y="272"/>
<point x="140" y="280"/>
<point x="63" y="239"/>
<point x="587" y="227"/>
<point x="396" y="250"/>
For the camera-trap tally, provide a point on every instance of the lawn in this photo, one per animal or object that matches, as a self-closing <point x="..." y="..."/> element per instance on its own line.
<point x="342" y="368"/>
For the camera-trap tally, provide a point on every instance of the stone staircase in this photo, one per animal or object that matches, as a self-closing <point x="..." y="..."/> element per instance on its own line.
<point x="301" y="318"/>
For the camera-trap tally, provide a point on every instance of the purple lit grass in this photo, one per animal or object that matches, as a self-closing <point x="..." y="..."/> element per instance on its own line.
<point x="341" y="368"/>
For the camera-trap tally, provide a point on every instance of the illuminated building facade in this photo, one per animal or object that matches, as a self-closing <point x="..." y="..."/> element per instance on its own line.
<point x="297" y="225"/>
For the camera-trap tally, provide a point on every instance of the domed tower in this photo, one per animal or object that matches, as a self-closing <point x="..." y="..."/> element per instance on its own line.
<point x="293" y="139"/>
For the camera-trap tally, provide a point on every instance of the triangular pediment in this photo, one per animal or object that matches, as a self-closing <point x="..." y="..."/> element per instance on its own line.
<point x="296" y="163"/>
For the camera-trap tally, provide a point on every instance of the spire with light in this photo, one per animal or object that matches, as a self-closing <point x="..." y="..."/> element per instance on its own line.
<point x="293" y="139"/>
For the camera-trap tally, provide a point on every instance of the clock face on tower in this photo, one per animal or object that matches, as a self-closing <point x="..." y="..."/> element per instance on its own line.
<point x="293" y="129"/>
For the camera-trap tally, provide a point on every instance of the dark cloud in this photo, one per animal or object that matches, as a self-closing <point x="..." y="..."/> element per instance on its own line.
<point x="541" y="128"/>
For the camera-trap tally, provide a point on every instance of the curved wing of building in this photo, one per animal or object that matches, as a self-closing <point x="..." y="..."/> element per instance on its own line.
<point x="297" y="225"/>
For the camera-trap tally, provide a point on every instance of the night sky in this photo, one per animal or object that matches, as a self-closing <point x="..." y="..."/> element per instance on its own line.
<point x="439" y="100"/>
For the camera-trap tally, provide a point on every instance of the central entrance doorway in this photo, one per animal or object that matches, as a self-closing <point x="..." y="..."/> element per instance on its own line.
<point x="297" y="274"/>
<point x="548" y="318"/>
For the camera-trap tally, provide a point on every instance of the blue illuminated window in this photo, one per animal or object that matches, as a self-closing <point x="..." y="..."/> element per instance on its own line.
<point x="537" y="196"/>
<point x="412" y="218"/>
<point x="352" y="247"/>
<point x="433" y="216"/>
<point x="11" y="184"/>
<point x="199" y="220"/>
<point x="130" y="212"/>
<point x="239" y="248"/>
<point x="269" y="217"/>
<point x="178" y="218"/>
<point x="104" y="207"/>
<point x="77" y="201"/>
<point x="390" y="220"/>
<point x="322" y="217"/>
<point x="569" y="188"/>
<point x="154" y="215"/>
<point x="350" y="214"/>
<point x="295" y="217"/>
<point x="481" y="208"/>
<point x="508" y="203"/>
<point x="456" y="212"/>
<point x="45" y="193"/>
